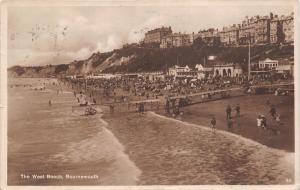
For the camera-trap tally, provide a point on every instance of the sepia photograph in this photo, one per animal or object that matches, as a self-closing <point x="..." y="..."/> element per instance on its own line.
<point x="129" y="93"/>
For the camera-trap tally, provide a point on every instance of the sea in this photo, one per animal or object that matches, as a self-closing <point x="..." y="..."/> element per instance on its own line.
<point x="58" y="140"/>
<point x="56" y="144"/>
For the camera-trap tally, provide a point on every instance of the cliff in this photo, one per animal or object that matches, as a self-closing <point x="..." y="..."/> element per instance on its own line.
<point x="133" y="58"/>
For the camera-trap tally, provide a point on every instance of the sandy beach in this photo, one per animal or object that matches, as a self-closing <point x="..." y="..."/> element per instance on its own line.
<point x="245" y="125"/>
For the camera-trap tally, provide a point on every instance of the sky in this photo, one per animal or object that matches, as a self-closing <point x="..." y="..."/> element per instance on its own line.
<point x="57" y="35"/>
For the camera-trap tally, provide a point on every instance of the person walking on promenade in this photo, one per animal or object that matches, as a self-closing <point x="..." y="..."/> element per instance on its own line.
<point x="228" y="111"/>
<point x="238" y="110"/>
<point x="213" y="123"/>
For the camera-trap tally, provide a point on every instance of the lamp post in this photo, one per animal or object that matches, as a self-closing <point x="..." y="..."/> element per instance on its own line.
<point x="249" y="54"/>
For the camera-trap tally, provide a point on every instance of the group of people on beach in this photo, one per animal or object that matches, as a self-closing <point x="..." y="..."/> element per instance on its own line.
<point x="229" y="118"/>
<point x="173" y="105"/>
<point x="261" y="119"/>
<point x="275" y="116"/>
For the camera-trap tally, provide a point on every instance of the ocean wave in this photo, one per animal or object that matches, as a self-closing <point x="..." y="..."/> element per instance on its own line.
<point x="247" y="140"/>
<point x="278" y="165"/>
<point x="101" y="147"/>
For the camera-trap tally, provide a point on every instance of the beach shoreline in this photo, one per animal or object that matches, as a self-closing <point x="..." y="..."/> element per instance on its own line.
<point x="148" y="177"/>
<point x="66" y="142"/>
<point x="161" y="150"/>
<point x="245" y="125"/>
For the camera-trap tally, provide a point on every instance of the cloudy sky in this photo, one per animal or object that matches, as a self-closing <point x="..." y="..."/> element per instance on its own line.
<point x="55" y="35"/>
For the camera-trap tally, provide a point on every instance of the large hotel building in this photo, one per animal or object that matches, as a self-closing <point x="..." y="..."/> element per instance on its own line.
<point x="270" y="29"/>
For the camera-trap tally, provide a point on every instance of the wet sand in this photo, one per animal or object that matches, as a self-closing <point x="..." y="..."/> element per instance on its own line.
<point x="245" y="125"/>
<point x="172" y="152"/>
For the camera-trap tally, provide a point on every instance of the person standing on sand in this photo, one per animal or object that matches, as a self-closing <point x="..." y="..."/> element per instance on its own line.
<point x="142" y="107"/>
<point x="112" y="108"/>
<point x="176" y="111"/>
<point x="259" y="122"/>
<point x="238" y="109"/>
<point x="128" y="106"/>
<point x="228" y="111"/>
<point x="229" y="123"/>
<point x="49" y="103"/>
<point x="213" y="123"/>
<point x="273" y="111"/>
<point x="278" y="123"/>
<point x="167" y="106"/>
<point x="268" y="102"/>
<point x="263" y="122"/>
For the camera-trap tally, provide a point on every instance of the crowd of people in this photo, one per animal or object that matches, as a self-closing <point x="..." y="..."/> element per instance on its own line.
<point x="273" y="129"/>
<point x="173" y="93"/>
<point x="125" y="88"/>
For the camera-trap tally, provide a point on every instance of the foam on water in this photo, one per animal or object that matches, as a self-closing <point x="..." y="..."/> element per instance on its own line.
<point x="136" y="172"/>
<point x="102" y="146"/>
<point x="282" y="160"/>
<point x="249" y="141"/>
<point x="63" y="139"/>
